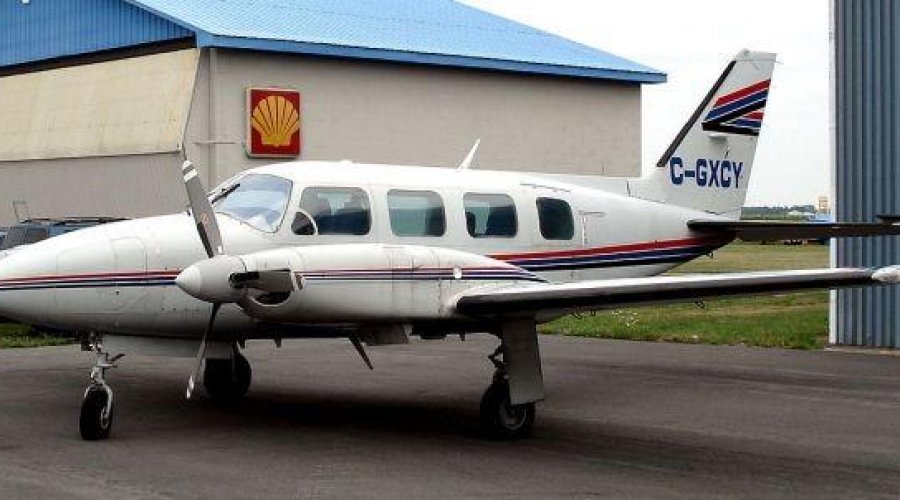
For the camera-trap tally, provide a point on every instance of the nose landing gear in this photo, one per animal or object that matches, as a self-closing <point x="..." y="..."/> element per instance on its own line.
<point x="95" y="420"/>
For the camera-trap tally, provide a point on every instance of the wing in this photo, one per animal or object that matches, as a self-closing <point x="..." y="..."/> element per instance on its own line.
<point x="548" y="298"/>
<point x="764" y="230"/>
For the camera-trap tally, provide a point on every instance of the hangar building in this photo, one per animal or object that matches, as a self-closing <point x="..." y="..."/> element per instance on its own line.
<point x="102" y="99"/>
<point x="866" y="162"/>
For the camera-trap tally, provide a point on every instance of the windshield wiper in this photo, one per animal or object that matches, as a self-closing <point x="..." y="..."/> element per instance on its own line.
<point x="224" y="193"/>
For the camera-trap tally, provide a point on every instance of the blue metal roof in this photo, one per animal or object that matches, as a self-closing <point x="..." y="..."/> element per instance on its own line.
<point x="48" y="29"/>
<point x="441" y="32"/>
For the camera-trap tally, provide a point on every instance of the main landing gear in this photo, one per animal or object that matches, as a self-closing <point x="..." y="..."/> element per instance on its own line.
<point x="500" y="419"/>
<point x="227" y="380"/>
<point x="95" y="420"/>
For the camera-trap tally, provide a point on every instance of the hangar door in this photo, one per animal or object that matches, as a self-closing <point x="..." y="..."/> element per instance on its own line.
<point x="128" y="106"/>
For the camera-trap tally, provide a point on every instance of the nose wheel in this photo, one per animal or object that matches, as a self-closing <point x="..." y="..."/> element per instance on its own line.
<point x="500" y="419"/>
<point x="95" y="420"/>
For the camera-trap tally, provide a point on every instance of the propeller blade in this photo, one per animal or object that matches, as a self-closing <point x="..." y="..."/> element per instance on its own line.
<point x="201" y="352"/>
<point x="204" y="216"/>
<point x="277" y="281"/>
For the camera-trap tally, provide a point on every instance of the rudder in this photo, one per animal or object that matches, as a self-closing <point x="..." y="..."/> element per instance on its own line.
<point x="707" y="167"/>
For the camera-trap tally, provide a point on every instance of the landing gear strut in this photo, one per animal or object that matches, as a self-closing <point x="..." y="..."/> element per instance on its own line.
<point x="95" y="420"/>
<point x="500" y="419"/>
<point x="227" y="380"/>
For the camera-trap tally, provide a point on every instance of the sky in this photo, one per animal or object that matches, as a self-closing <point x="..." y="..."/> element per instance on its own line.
<point x="692" y="41"/>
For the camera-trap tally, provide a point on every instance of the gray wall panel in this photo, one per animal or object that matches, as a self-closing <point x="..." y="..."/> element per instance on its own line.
<point x="867" y="156"/>
<point x="389" y="113"/>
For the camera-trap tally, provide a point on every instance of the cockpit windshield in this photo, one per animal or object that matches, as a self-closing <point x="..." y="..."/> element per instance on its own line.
<point x="255" y="199"/>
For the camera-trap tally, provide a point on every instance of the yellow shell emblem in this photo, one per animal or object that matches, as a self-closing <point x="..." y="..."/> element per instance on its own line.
<point x="276" y="119"/>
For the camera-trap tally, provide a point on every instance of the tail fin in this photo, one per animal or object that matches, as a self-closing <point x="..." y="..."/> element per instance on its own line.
<point x="707" y="167"/>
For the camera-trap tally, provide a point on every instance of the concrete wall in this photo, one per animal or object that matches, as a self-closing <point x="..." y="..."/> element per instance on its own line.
<point x="128" y="186"/>
<point x="387" y="113"/>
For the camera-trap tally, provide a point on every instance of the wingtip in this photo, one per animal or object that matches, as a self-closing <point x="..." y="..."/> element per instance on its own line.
<point x="890" y="274"/>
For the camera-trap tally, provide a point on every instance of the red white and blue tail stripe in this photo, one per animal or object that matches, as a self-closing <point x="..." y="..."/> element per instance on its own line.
<point x="739" y="112"/>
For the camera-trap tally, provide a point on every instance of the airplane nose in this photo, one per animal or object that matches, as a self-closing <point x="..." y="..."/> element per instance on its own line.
<point x="3" y="287"/>
<point x="23" y="286"/>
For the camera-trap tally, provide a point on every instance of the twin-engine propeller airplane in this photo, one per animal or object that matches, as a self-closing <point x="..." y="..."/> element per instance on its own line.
<point x="377" y="253"/>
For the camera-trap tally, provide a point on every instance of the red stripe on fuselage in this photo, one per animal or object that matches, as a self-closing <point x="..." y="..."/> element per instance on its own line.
<point x="628" y="247"/>
<point x="582" y="252"/>
<point x="88" y="276"/>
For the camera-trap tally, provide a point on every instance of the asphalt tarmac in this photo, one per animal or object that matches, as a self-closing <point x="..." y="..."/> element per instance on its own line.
<point x="622" y="419"/>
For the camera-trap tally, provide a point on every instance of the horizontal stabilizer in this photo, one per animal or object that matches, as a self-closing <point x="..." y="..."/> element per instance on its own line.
<point x="764" y="230"/>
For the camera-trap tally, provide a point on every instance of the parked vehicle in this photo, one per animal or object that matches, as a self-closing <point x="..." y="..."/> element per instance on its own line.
<point x="33" y="230"/>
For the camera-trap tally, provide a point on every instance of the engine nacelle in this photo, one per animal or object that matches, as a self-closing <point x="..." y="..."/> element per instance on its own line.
<point x="372" y="282"/>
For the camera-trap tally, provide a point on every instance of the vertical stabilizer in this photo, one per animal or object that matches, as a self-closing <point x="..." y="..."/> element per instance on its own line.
<point x="707" y="167"/>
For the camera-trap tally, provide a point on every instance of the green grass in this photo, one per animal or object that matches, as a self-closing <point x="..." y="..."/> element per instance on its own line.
<point x="16" y="335"/>
<point x="755" y="257"/>
<point x="796" y="321"/>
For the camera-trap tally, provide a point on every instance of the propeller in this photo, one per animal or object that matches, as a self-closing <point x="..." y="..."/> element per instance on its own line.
<point x="221" y="278"/>
<point x="208" y="229"/>
<point x="201" y="352"/>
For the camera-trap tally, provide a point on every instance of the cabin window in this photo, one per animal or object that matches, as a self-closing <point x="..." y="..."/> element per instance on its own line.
<point x="416" y="213"/>
<point x="338" y="210"/>
<point x="555" y="218"/>
<point x="490" y="215"/>
<point x="259" y="200"/>
<point x="302" y="225"/>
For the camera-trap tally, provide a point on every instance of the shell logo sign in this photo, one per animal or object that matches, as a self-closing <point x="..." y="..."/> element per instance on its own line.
<point x="273" y="122"/>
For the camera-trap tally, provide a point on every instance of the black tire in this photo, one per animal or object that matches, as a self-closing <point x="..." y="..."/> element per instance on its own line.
<point x="227" y="380"/>
<point x="92" y="423"/>
<point x="500" y="419"/>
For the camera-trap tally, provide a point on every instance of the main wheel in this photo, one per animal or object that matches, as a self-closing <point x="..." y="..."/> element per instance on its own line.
<point x="500" y="419"/>
<point x="95" y="421"/>
<point x="227" y="380"/>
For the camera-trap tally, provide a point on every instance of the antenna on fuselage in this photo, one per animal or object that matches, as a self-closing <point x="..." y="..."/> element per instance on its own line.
<point x="467" y="162"/>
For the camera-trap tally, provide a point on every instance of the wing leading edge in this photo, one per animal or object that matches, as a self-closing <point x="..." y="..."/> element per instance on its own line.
<point x="540" y="298"/>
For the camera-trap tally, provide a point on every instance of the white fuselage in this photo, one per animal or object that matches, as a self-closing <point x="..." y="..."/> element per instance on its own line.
<point x="119" y="278"/>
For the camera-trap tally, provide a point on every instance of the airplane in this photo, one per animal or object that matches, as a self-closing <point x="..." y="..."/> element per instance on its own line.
<point x="378" y="253"/>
